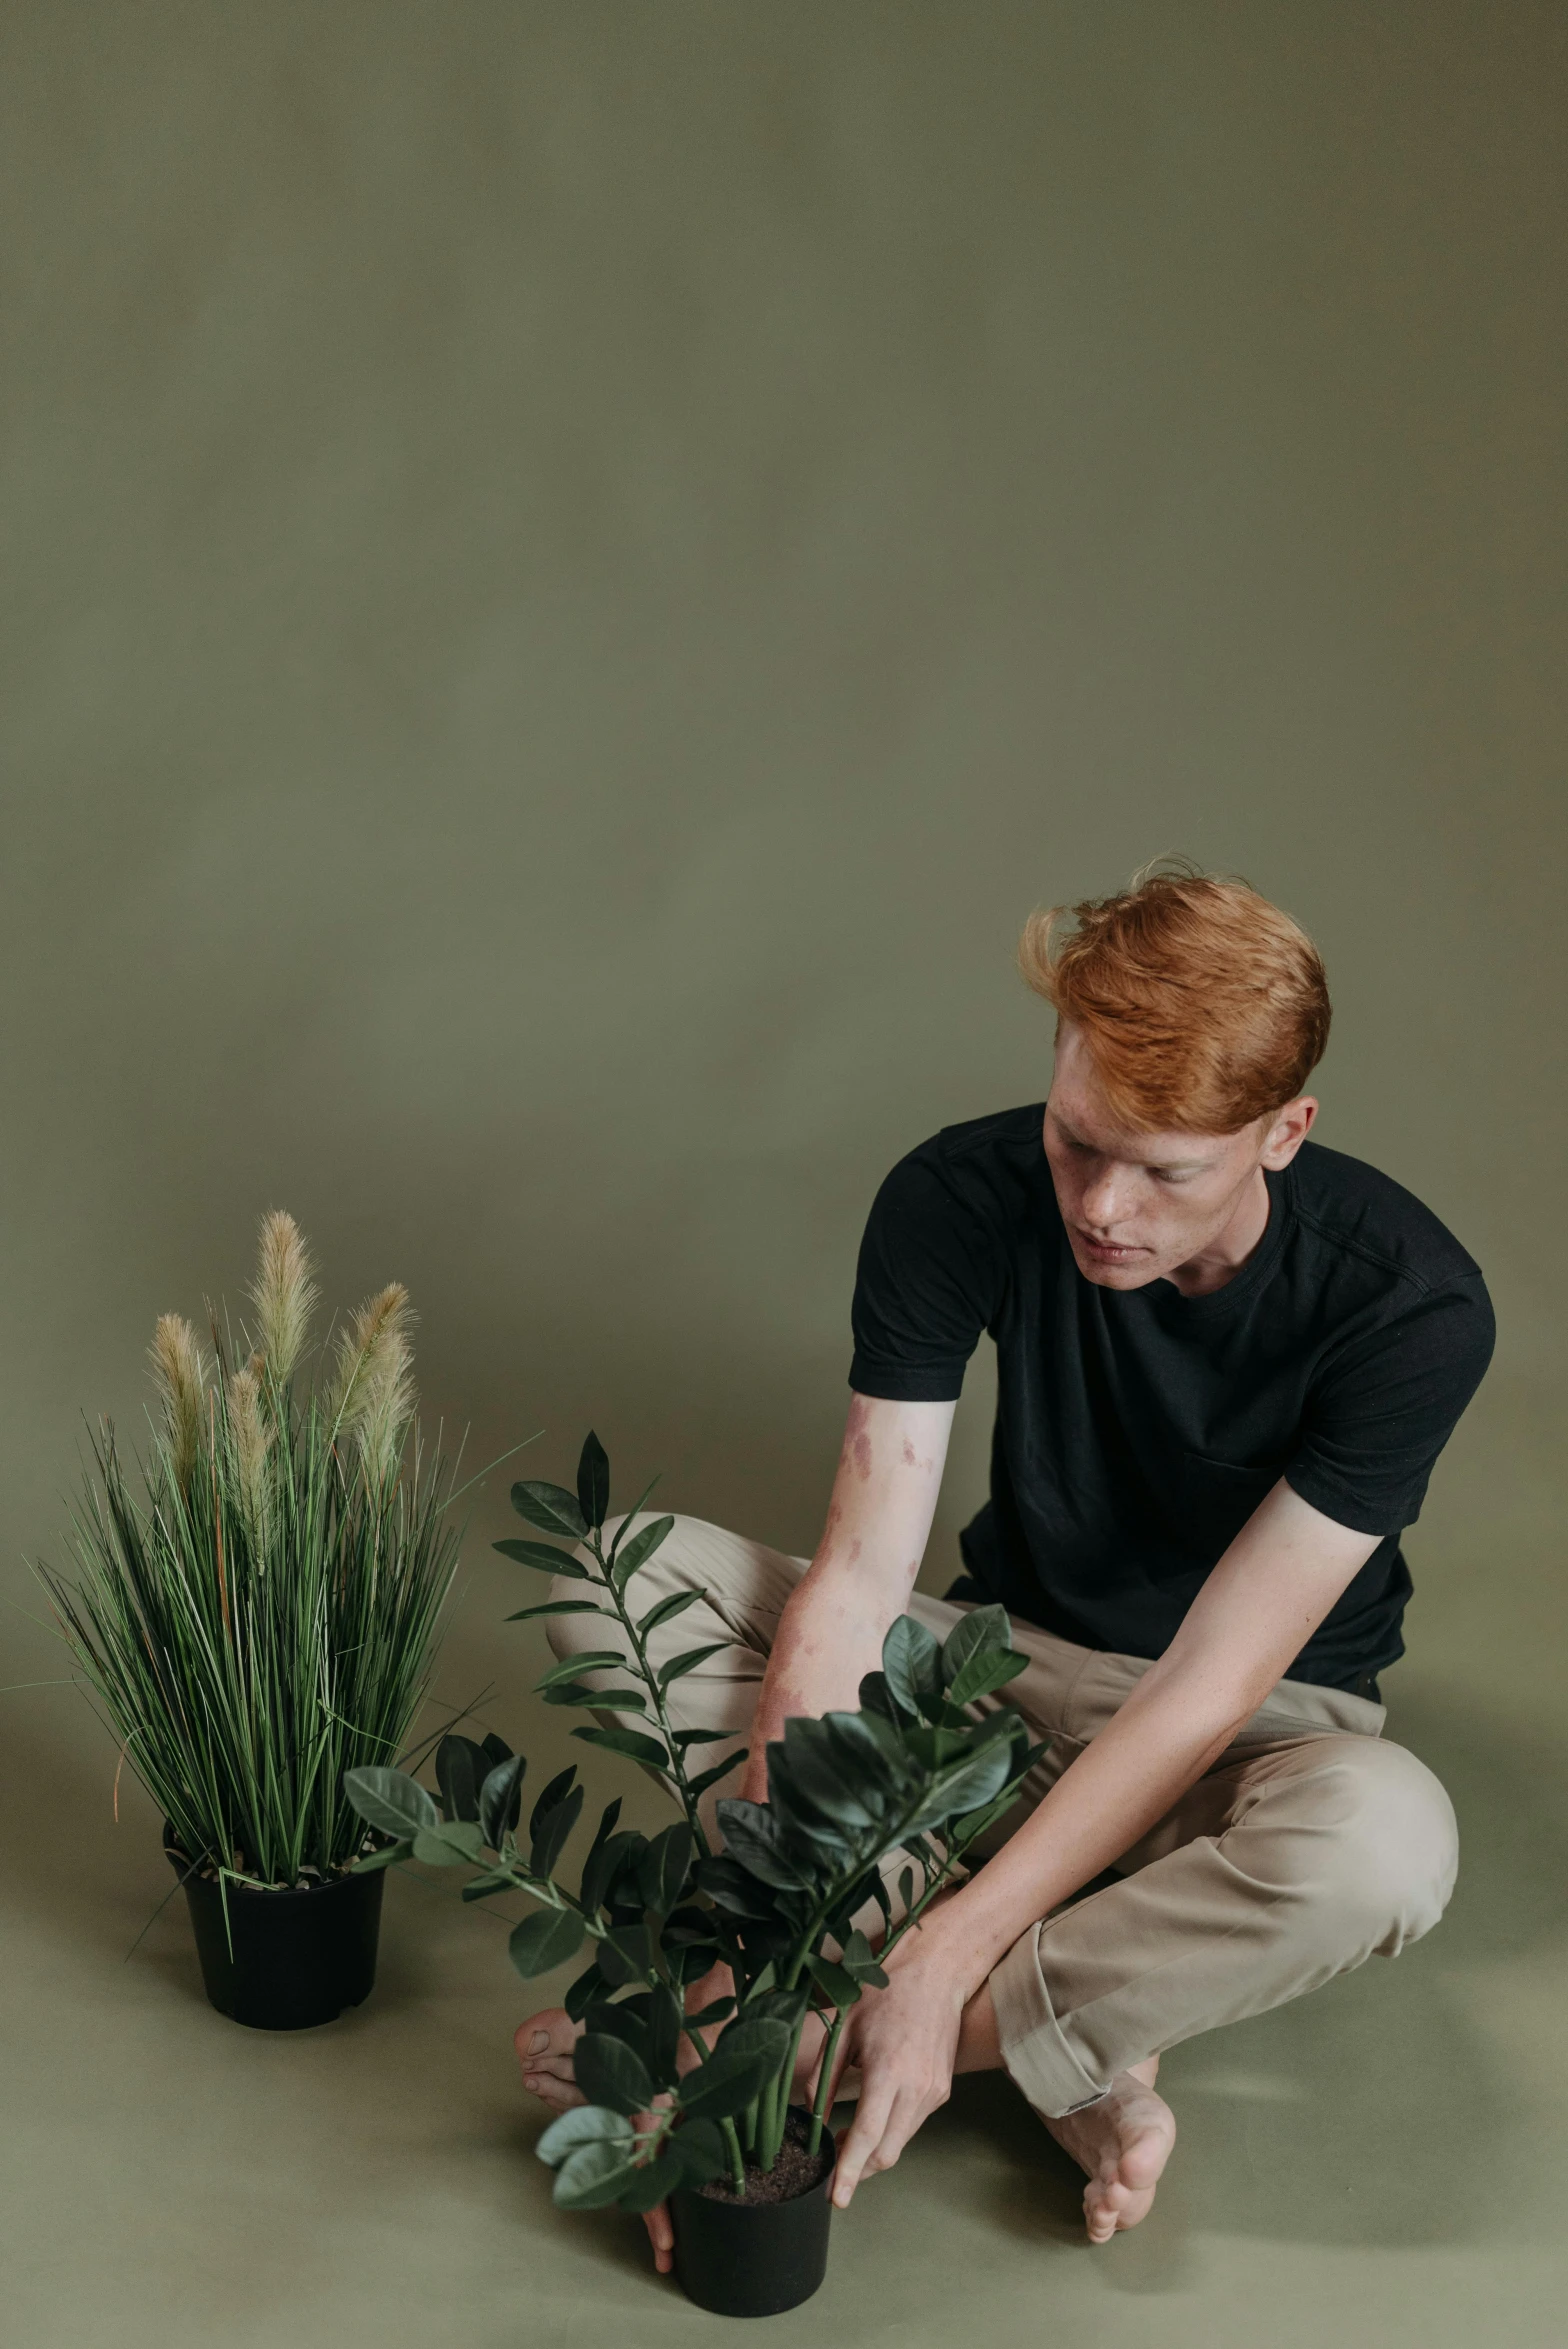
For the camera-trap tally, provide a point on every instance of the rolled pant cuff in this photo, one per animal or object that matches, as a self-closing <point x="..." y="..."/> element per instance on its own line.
<point x="1036" y="2055"/>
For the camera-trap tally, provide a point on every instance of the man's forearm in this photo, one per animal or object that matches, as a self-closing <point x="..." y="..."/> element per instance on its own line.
<point x="829" y="1637"/>
<point x="1142" y="1762"/>
<point x="1272" y="1588"/>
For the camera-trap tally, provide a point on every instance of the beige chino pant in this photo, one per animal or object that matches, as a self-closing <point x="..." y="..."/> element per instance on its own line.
<point x="1307" y="1847"/>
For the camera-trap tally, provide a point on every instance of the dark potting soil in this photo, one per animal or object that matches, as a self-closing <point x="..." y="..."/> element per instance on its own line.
<point x="794" y="2173"/>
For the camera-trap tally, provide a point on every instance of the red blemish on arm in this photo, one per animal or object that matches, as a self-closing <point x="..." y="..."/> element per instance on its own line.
<point x="910" y="1460"/>
<point x="857" y="1438"/>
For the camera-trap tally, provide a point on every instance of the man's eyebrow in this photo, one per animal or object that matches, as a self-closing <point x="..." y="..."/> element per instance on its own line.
<point x="1159" y="1165"/>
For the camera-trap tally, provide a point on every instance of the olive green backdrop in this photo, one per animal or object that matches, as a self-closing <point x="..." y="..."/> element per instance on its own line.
<point x="572" y="574"/>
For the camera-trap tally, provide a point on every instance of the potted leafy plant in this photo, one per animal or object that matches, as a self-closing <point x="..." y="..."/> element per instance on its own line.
<point x="695" y="2107"/>
<point x="260" y="1617"/>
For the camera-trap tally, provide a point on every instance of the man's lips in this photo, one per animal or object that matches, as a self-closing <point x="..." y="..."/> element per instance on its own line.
<point x="1109" y="1251"/>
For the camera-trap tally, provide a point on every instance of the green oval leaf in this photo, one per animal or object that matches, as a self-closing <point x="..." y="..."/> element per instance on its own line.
<point x="639" y="1550"/>
<point x="501" y="1799"/>
<point x="984" y="1673"/>
<point x="654" y="2182"/>
<point x="748" y="2056"/>
<point x="556" y="1607"/>
<point x="610" y="1700"/>
<point x="390" y="1800"/>
<point x="698" y="2146"/>
<point x="605" y="1854"/>
<point x="697" y="1787"/>
<point x="579" y="1996"/>
<point x="963" y="1786"/>
<point x="541" y="1555"/>
<point x="911" y="1663"/>
<point x="387" y="1857"/>
<point x="591" y="1660"/>
<point x="751" y="1835"/>
<point x="678" y="1666"/>
<point x="544" y="1941"/>
<point x="675" y="1604"/>
<point x="629" y="1742"/>
<point x="553" y="1791"/>
<point x="610" y="2073"/>
<point x="661" y="1874"/>
<point x="593" y="2176"/>
<point x="593" y="1482"/>
<point x="626" y="1955"/>
<point x="586" y="2124"/>
<point x="983" y="1630"/>
<point x="460" y="1771"/>
<point x="549" y="1506"/>
<point x="837" y="1984"/>
<point x="550" y="1833"/>
<point x="448" y="1845"/>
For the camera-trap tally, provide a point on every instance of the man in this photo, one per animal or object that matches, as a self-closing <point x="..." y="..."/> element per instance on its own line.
<point x="1227" y="1360"/>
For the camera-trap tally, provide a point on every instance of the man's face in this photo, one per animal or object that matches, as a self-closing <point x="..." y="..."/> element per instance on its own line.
<point x="1140" y="1206"/>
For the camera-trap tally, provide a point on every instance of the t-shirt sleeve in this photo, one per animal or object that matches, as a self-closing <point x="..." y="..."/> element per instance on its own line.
<point x="928" y="1283"/>
<point x="1387" y="1406"/>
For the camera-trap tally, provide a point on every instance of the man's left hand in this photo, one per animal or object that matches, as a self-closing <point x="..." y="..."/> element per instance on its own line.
<point x="903" y="2040"/>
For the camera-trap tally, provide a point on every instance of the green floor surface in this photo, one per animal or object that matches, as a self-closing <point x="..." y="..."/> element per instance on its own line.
<point x="1382" y="2165"/>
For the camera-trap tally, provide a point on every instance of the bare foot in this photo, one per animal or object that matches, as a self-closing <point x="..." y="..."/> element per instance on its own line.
<point x="544" y="2049"/>
<point x="1122" y="2144"/>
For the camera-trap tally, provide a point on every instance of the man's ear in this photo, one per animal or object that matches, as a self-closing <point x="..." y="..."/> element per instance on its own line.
<point x="1290" y="1128"/>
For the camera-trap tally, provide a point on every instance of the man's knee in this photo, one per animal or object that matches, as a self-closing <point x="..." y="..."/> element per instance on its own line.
<point x="1391" y="1848"/>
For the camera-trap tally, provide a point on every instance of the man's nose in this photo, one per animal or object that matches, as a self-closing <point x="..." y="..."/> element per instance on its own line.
<point x="1105" y="1199"/>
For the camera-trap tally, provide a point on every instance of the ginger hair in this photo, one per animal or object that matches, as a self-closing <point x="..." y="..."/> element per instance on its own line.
<point x="1203" y="1007"/>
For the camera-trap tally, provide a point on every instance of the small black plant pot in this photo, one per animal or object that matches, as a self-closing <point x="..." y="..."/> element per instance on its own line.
<point x="754" y="2258"/>
<point x="284" y="1961"/>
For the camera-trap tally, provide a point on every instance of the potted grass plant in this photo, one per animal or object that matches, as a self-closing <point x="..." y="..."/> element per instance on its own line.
<point x="696" y="2107"/>
<point x="255" y="1612"/>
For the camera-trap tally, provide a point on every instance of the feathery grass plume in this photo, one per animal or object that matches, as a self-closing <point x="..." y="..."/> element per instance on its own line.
<point x="250" y="1442"/>
<point x="387" y="1391"/>
<point x="181" y="1373"/>
<point x="373" y="1391"/>
<point x="250" y="1642"/>
<point x="283" y="1294"/>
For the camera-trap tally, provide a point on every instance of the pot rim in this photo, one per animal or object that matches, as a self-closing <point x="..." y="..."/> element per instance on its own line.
<point x="191" y="1872"/>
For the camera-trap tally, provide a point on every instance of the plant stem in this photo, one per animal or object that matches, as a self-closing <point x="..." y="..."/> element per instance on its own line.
<point x="650" y="1681"/>
<point x="767" y="2105"/>
<point x="819" y="2106"/>
<point x="737" y="2164"/>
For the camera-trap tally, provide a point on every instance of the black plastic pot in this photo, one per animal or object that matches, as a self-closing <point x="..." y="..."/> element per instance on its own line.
<point x="283" y="1961"/>
<point x="753" y="2258"/>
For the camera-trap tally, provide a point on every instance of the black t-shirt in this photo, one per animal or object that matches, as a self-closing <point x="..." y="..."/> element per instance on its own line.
<point x="1137" y="1430"/>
